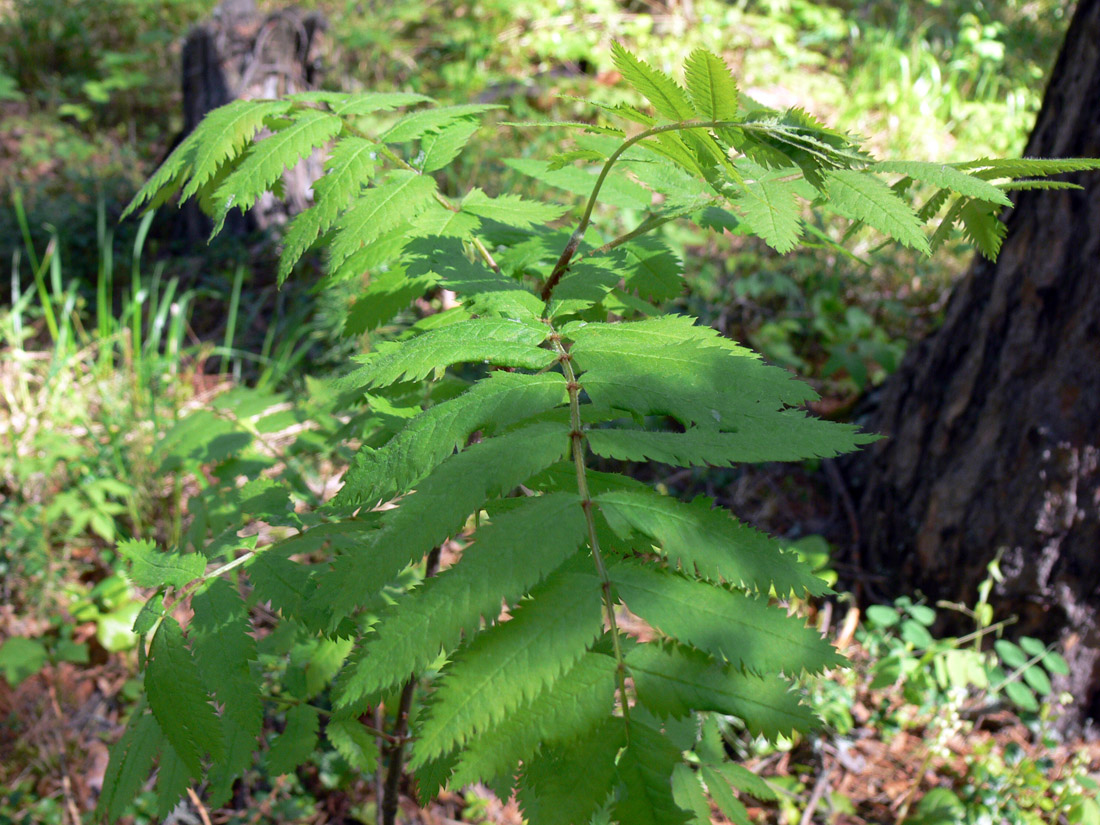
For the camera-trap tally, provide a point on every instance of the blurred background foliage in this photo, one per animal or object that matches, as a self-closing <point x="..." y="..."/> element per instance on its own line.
<point x="113" y="336"/>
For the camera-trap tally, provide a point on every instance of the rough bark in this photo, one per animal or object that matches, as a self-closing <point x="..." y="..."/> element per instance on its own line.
<point x="241" y="53"/>
<point x="994" y="420"/>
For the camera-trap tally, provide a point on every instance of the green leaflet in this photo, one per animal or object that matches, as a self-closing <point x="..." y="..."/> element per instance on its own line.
<point x="769" y="207"/>
<point x="688" y="793"/>
<point x="708" y="542"/>
<point x="444" y="145"/>
<point x="983" y="228"/>
<point x="723" y="796"/>
<point x="727" y="624"/>
<point x="388" y="294"/>
<point x="651" y="269"/>
<point x="269" y="158"/>
<point x="403" y="196"/>
<point x="566" y="784"/>
<point x="131" y="759"/>
<point x="413" y="126"/>
<point x="561" y="714"/>
<point x="223" y="134"/>
<point x="508" y="557"/>
<point x="996" y="168"/>
<point x="618" y="190"/>
<point x="676" y="681"/>
<point x="502" y="399"/>
<point x="512" y="662"/>
<point x="365" y="103"/>
<point x="438" y="221"/>
<point x="352" y="742"/>
<point x="746" y="781"/>
<point x="711" y="86"/>
<point x="150" y="567"/>
<point x="223" y="648"/>
<point x="694" y="381"/>
<point x="178" y="700"/>
<point x="500" y="342"/>
<point x="752" y="440"/>
<point x="863" y="197"/>
<point x="295" y="744"/>
<point x="438" y="509"/>
<point x="662" y="91"/>
<point x="485" y="291"/>
<point x="350" y="165"/>
<point x="946" y="177"/>
<point x="511" y="210"/>
<point x="644" y="773"/>
<point x="173" y="780"/>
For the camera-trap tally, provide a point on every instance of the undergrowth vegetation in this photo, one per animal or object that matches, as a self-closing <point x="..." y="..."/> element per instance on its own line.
<point x="173" y="448"/>
<point x="521" y="676"/>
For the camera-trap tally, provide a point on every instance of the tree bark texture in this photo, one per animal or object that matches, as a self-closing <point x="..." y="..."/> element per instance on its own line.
<point x="993" y="422"/>
<point x="241" y="53"/>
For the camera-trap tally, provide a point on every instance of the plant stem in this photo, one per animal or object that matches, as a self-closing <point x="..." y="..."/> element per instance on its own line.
<point x="387" y="803"/>
<point x="577" y="438"/>
<point x="575" y="239"/>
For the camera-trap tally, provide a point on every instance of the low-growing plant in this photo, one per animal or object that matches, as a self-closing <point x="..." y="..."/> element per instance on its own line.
<point x="456" y="609"/>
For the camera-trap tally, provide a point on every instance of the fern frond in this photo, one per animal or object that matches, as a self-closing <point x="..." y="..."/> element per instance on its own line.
<point x="509" y="556"/>
<point x="750" y="439"/>
<point x="658" y="88"/>
<point x="500" y="342"/>
<point x="708" y="542"/>
<point x="711" y="86"/>
<point x="562" y="713"/>
<point x="403" y="196"/>
<point x="510" y="210"/>
<point x="269" y="158"/>
<point x="728" y="624"/>
<point x="223" y="648"/>
<point x="178" y="700"/>
<point x="644" y="772"/>
<point x="861" y="196"/>
<point x="512" y="662"/>
<point x="349" y="167"/>
<point x="677" y="681"/>
<point x="946" y="177"/>
<point x="567" y="784"/>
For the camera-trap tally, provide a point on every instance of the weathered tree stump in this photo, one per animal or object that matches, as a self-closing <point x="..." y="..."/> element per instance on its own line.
<point x="242" y="54"/>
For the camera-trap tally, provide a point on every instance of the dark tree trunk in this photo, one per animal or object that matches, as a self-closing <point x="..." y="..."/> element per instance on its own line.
<point x="994" y="421"/>
<point x="241" y="53"/>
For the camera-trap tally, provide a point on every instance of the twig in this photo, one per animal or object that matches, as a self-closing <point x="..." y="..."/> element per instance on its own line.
<point x="820" y="786"/>
<point x="388" y="792"/>
<point x="203" y="815"/>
